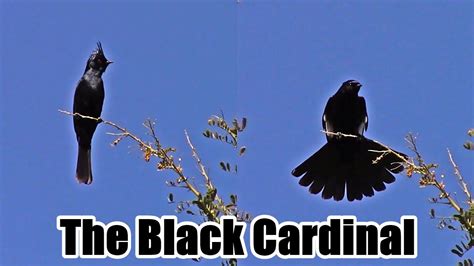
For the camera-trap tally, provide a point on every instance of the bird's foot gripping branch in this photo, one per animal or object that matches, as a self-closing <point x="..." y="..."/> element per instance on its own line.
<point x="165" y="237"/>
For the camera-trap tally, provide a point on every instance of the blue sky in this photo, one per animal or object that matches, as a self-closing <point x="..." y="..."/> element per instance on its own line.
<point x="274" y="62"/>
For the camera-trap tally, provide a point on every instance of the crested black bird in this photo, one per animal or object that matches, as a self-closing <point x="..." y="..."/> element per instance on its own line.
<point x="88" y="101"/>
<point x="348" y="161"/>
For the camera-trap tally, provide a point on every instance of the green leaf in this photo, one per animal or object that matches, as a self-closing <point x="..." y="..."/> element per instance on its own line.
<point x="244" y="123"/>
<point x="470" y="262"/>
<point x="465" y="246"/>
<point x="456" y="252"/>
<point x="235" y="123"/>
<point x="467" y="263"/>
<point x="469" y="145"/>
<point x="222" y="165"/>
<point x="457" y="217"/>
<point x="433" y="200"/>
<point x="233" y="199"/>
<point x="213" y="194"/>
<point x="432" y="213"/>
<point x="233" y="132"/>
<point x="242" y="150"/>
<point x="233" y="262"/>
<point x="470" y="132"/>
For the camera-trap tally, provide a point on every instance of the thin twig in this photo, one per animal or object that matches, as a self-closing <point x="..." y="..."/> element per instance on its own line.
<point x="100" y="120"/>
<point x="426" y="172"/>
<point x="462" y="183"/>
<point x="211" y="206"/>
<point x="202" y="169"/>
<point x="447" y="195"/>
<point x="339" y="134"/>
<point x="384" y="152"/>
<point x="143" y="145"/>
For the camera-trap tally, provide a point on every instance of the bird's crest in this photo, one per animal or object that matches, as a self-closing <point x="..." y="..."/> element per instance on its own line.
<point x="97" y="59"/>
<point x="98" y="53"/>
<point x="99" y="50"/>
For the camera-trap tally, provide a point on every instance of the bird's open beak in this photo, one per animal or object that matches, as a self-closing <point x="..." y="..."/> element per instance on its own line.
<point x="109" y="62"/>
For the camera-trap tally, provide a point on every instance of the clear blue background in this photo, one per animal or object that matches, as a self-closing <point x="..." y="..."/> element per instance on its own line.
<point x="179" y="62"/>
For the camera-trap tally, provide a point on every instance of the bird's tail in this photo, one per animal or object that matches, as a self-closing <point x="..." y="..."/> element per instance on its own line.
<point x="321" y="160"/>
<point x="84" y="169"/>
<point x="360" y="166"/>
<point x="372" y="168"/>
<point x="323" y="170"/>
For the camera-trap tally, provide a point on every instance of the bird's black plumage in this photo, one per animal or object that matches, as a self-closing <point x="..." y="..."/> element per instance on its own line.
<point x="88" y="101"/>
<point x="348" y="162"/>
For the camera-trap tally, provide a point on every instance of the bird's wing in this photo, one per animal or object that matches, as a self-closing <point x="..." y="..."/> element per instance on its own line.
<point x="363" y="110"/>
<point x="88" y="99"/>
<point x="80" y="96"/>
<point x="329" y="106"/>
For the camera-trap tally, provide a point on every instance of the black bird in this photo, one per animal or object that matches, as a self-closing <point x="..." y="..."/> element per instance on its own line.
<point x="88" y="100"/>
<point x="348" y="161"/>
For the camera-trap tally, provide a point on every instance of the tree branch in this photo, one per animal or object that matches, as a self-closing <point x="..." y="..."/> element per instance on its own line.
<point x="202" y="169"/>
<point x="145" y="147"/>
<point x="384" y="153"/>
<point x="462" y="183"/>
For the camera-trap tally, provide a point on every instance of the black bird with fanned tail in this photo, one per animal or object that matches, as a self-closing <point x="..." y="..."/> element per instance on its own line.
<point x="348" y="162"/>
<point x="88" y="101"/>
